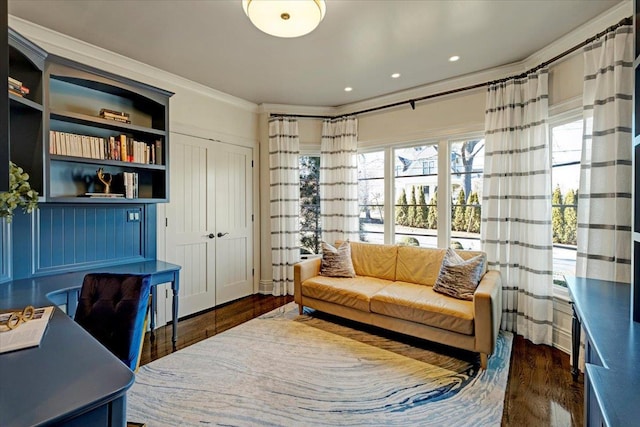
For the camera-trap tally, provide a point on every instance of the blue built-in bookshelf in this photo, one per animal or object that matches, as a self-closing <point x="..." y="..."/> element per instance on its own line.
<point x="76" y="227"/>
<point x="61" y="238"/>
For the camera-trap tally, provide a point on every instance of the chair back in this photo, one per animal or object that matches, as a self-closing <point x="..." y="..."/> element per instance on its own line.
<point x="112" y="308"/>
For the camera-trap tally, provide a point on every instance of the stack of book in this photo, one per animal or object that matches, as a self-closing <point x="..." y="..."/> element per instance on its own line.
<point x="17" y="88"/>
<point x="130" y="184"/>
<point x="118" y="116"/>
<point x="121" y="147"/>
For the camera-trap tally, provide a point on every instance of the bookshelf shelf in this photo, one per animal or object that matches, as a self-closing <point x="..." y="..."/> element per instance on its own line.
<point x="104" y="123"/>
<point x="94" y="200"/>
<point x="76" y="96"/>
<point x="130" y="165"/>
<point x="17" y="102"/>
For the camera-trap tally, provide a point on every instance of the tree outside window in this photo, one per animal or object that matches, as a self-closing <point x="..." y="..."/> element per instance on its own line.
<point x="467" y="168"/>
<point x="310" y="229"/>
<point x="566" y="150"/>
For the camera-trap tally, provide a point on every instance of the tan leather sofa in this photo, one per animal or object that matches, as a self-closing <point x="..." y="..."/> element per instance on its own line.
<point x="393" y="289"/>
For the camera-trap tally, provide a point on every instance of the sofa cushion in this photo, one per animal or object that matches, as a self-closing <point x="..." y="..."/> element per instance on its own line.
<point x="418" y="265"/>
<point x="374" y="260"/>
<point x="459" y="278"/>
<point x="336" y="262"/>
<point x="355" y="293"/>
<point x="422" y="265"/>
<point x="421" y="304"/>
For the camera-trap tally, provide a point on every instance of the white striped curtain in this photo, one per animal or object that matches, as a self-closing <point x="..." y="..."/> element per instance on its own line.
<point x="516" y="203"/>
<point x="339" y="179"/>
<point x="604" y="196"/>
<point x="284" y="152"/>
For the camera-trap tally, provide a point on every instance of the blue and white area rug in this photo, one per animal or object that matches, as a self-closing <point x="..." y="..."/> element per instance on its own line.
<point x="283" y="369"/>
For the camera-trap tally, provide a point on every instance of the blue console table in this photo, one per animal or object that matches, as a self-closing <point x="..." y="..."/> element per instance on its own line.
<point x="612" y="351"/>
<point x="70" y="379"/>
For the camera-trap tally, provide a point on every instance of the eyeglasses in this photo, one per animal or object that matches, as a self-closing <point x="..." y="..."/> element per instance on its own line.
<point x="10" y="321"/>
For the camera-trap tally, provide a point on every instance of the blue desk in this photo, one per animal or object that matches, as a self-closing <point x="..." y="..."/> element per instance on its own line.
<point x="612" y="351"/>
<point x="70" y="379"/>
<point x="66" y="286"/>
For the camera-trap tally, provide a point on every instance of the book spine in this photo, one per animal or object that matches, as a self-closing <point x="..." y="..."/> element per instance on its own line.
<point x="159" y="152"/>
<point x="52" y="142"/>
<point x="123" y="148"/>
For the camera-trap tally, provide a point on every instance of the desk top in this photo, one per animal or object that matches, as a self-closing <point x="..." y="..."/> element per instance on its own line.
<point x="604" y="311"/>
<point x="70" y="372"/>
<point x="36" y="289"/>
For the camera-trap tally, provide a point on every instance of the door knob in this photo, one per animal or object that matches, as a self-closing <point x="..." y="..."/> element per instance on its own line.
<point x="210" y="235"/>
<point x="222" y="234"/>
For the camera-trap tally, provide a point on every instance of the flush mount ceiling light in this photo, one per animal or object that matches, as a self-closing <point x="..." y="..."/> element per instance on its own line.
<point x="285" y="18"/>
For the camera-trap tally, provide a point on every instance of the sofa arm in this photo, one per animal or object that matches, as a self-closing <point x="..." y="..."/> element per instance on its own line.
<point x="302" y="271"/>
<point x="487" y="307"/>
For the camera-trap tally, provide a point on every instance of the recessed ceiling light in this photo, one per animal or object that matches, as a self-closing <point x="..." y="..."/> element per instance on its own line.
<point x="348" y="89"/>
<point x="454" y="58"/>
<point x="395" y="75"/>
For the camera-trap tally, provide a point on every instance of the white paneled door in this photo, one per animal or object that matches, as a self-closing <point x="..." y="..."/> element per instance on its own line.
<point x="209" y="223"/>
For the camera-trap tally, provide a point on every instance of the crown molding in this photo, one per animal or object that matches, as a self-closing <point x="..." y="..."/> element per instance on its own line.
<point x="80" y="51"/>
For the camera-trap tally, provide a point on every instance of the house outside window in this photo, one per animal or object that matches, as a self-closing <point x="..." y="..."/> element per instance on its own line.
<point x="415" y="183"/>
<point x="411" y="188"/>
<point x="310" y="226"/>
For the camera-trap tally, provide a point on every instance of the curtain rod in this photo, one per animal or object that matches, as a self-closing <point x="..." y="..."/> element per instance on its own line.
<point x="412" y="102"/>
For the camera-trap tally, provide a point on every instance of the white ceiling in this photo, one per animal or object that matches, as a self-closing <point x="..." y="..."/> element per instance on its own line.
<point x="360" y="43"/>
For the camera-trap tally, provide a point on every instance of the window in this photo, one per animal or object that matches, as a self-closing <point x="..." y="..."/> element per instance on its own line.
<point x="467" y="166"/>
<point x="310" y="229"/>
<point x="412" y="187"/>
<point x="371" y="196"/>
<point x="566" y="149"/>
<point x="415" y="185"/>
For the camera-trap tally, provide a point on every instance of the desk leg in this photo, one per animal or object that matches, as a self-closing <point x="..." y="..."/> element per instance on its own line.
<point x="154" y="305"/>
<point x="575" y="343"/>
<point x="175" y="285"/>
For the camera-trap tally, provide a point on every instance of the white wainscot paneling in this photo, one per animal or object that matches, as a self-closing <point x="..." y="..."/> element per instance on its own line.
<point x="562" y="315"/>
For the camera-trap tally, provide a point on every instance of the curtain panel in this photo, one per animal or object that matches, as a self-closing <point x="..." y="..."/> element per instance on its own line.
<point x="284" y="152"/>
<point x="604" y="195"/>
<point x="339" y="180"/>
<point x="516" y="229"/>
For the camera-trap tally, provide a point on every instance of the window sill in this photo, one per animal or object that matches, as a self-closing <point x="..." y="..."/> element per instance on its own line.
<point x="561" y="293"/>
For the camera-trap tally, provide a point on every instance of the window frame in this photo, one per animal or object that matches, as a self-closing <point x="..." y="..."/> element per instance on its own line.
<point x="559" y="119"/>
<point x="443" y="141"/>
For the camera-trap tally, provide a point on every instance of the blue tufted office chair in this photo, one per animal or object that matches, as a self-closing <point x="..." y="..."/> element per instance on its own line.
<point x="113" y="308"/>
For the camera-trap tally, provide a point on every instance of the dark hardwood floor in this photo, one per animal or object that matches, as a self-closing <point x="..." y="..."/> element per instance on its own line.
<point x="540" y="390"/>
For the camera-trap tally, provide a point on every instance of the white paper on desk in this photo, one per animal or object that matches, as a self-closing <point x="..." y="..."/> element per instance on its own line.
<point x="27" y="334"/>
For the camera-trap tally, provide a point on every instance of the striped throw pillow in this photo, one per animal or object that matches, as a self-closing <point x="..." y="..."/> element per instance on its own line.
<point x="336" y="262"/>
<point x="459" y="278"/>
